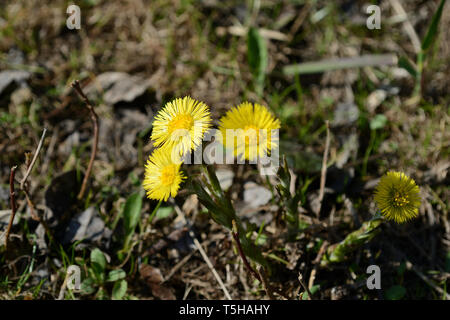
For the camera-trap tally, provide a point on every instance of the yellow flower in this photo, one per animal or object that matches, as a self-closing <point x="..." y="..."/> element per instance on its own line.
<point x="397" y="196"/>
<point x="162" y="176"/>
<point x="250" y="130"/>
<point x="181" y="124"/>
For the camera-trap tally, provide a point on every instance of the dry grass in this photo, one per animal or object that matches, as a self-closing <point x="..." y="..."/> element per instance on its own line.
<point x="187" y="48"/>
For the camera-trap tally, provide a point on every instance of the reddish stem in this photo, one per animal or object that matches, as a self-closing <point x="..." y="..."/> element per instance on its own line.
<point x="235" y="234"/>
<point x="94" y="118"/>
<point x="12" y="195"/>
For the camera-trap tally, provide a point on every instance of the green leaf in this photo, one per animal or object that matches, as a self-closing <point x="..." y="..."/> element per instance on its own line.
<point x="119" y="290"/>
<point x="401" y="269"/>
<point x="213" y="180"/>
<point x="132" y="212"/>
<point x="261" y="240"/>
<point x="378" y="122"/>
<point x="314" y="289"/>
<point x="216" y="212"/>
<point x="396" y="292"/>
<point x="257" y="57"/>
<point x="432" y="30"/>
<point x="98" y="263"/>
<point x="405" y="64"/>
<point x="115" y="275"/>
<point x="101" y="294"/>
<point x="164" y="212"/>
<point x="88" y="286"/>
<point x="447" y="262"/>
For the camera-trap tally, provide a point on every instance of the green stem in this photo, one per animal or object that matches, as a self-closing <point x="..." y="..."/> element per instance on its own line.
<point x="154" y="212"/>
<point x="420" y="65"/>
<point x="340" y="251"/>
<point x="222" y="211"/>
<point x="368" y="151"/>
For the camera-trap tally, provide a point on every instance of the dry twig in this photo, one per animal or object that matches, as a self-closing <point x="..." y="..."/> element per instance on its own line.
<point x="12" y="196"/>
<point x="323" y="174"/>
<point x="409" y="29"/>
<point x="316" y="263"/>
<point x="23" y="182"/>
<point x="94" y="118"/>
<point x="203" y="253"/>
<point x="30" y="167"/>
<point x="24" y="188"/>
<point x="305" y="287"/>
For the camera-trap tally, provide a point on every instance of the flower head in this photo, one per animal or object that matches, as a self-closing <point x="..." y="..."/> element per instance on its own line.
<point x="181" y="124"/>
<point x="162" y="176"/>
<point x="397" y="196"/>
<point x="249" y="129"/>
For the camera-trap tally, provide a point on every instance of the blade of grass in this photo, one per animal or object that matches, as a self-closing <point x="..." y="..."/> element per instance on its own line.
<point x="404" y="63"/>
<point x="343" y="63"/>
<point x="432" y="30"/>
<point x="257" y="58"/>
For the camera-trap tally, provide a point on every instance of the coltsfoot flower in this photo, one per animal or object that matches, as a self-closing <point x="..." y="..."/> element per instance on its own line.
<point x="251" y="128"/>
<point x="397" y="196"/>
<point x="162" y="176"/>
<point x="181" y="124"/>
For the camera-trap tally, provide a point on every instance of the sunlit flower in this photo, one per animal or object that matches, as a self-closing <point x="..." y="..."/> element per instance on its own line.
<point x="162" y="176"/>
<point x="397" y="196"/>
<point x="249" y="128"/>
<point x="181" y="124"/>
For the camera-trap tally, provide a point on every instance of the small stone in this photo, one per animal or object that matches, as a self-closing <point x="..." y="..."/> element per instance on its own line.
<point x="118" y="87"/>
<point x="345" y="114"/>
<point x="12" y="77"/>
<point x="225" y="178"/>
<point x="256" y="196"/>
<point x="375" y="99"/>
<point x="86" y="225"/>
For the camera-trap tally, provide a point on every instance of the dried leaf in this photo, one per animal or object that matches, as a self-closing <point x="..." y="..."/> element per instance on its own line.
<point x="153" y="278"/>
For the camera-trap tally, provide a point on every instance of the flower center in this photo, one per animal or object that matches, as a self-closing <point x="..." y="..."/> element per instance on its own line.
<point x="182" y="121"/>
<point x="251" y="133"/>
<point x="400" y="200"/>
<point x="168" y="174"/>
